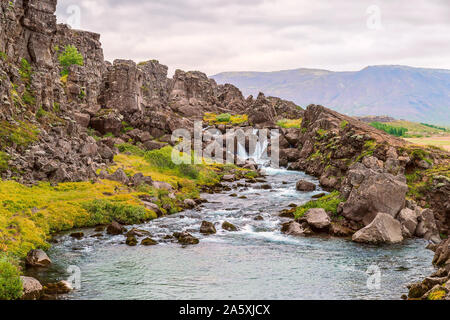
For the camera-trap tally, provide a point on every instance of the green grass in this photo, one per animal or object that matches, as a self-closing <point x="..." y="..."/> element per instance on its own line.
<point x="392" y="130"/>
<point x="225" y="118"/>
<point x="10" y="282"/>
<point x="104" y="211"/>
<point x="329" y="203"/>
<point x="290" y="123"/>
<point x="344" y="124"/>
<point x="22" y="134"/>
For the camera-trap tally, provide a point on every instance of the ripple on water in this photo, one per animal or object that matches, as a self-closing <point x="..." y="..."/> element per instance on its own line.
<point x="257" y="262"/>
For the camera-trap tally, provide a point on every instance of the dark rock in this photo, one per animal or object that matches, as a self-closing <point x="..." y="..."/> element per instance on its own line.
<point x="37" y="258"/>
<point x="207" y="228"/>
<point x="77" y="235"/>
<point x="186" y="238"/>
<point x="115" y="228"/>
<point x="304" y="185"/>
<point x="229" y="227"/>
<point x="148" y="242"/>
<point x="131" y="241"/>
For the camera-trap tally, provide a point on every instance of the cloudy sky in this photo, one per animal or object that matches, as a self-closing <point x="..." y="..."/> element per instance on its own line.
<point x="267" y="35"/>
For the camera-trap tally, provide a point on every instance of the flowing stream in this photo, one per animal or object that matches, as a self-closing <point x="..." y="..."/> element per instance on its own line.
<point x="257" y="262"/>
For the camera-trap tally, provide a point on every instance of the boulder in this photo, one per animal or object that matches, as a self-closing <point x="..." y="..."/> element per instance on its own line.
<point x="304" y="185"/>
<point x="442" y="254"/>
<point x="292" y="228"/>
<point x="186" y="238"/>
<point x="374" y="192"/>
<point x="37" y="258"/>
<point x="115" y="228"/>
<point x="131" y="241"/>
<point x="32" y="288"/>
<point x="339" y="230"/>
<point x="427" y="227"/>
<point x="139" y="179"/>
<point x="229" y="227"/>
<point x="207" y="228"/>
<point x="318" y="219"/>
<point x="77" y="235"/>
<point x="119" y="176"/>
<point x="408" y="219"/>
<point x="383" y="229"/>
<point x="189" y="203"/>
<point x="61" y="287"/>
<point x="148" y="242"/>
<point x="229" y="177"/>
<point x="137" y="233"/>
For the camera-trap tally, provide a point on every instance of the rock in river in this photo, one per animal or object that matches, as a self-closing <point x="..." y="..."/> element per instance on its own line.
<point x="383" y="229"/>
<point x="318" y="219"/>
<point x="32" y="288"/>
<point x="37" y="258"/>
<point x="304" y="185"/>
<point x="229" y="227"/>
<point x="207" y="228"/>
<point x="186" y="238"/>
<point x="115" y="228"/>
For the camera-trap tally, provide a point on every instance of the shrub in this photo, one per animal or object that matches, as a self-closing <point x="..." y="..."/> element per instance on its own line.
<point x="104" y="211"/>
<point x="161" y="158"/>
<point x="10" y="282"/>
<point x="4" y="158"/>
<point x="130" y="148"/>
<point x="224" y="117"/>
<point x="25" y="70"/>
<point x="70" y="57"/>
<point x="344" y="124"/>
<point x="329" y="203"/>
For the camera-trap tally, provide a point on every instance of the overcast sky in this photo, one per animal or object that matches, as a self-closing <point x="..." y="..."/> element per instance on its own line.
<point x="267" y="35"/>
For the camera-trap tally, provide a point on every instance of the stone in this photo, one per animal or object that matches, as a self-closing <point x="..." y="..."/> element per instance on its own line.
<point x="77" y="235"/>
<point x="318" y="219"/>
<point x="408" y="219"/>
<point x="339" y="230"/>
<point x="186" y="238"/>
<point x="119" y="176"/>
<point x="115" y="228"/>
<point x="229" y="227"/>
<point x="207" y="228"/>
<point x="304" y="185"/>
<point x="162" y="185"/>
<point x="442" y="254"/>
<point x="229" y="177"/>
<point x="148" y="242"/>
<point x="427" y="227"/>
<point x="61" y="287"/>
<point x="374" y="192"/>
<point x="189" y="203"/>
<point x="292" y="228"/>
<point x="131" y="241"/>
<point x="32" y="288"/>
<point x="37" y="258"/>
<point x="139" y="179"/>
<point x="137" y="233"/>
<point x="383" y="229"/>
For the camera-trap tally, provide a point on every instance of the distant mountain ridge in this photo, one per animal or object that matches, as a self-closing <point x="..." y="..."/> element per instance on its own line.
<point x="402" y="92"/>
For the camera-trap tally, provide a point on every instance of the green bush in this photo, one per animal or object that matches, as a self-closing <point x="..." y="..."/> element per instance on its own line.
<point x="70" y="57"/>
<point x="329" y="203"/>
<point x="161" y="158"/>
<point x="10" y="282"/>
<point x="25" y="70"/>
<point x="105" y="211"/>
<point x="4" y="158"/>
<point x="130" y="148"/>
<point x="224" y="117"/>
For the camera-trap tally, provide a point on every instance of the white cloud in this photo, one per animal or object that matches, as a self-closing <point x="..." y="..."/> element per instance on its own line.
<point x="266" y="35"/>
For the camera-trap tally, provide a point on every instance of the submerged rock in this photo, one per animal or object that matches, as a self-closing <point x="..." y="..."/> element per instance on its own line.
<point x="383" y="229"/>
<point x="77" y="235"/>
<point x="207" y="228"/>
<point x="61" y="287"/>
<point x="37" y="258"/>
<point x="131" y="241"/>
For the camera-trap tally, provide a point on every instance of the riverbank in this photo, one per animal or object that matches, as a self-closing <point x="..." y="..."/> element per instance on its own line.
<point x="30" y="215"/>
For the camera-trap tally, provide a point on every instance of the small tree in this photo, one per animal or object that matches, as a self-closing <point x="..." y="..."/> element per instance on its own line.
<point x="70" y="57"/>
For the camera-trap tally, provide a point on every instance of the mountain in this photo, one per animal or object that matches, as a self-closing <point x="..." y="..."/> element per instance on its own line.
<point x="415" y="94"/>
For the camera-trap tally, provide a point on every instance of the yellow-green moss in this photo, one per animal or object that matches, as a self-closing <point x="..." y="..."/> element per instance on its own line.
<point x="329" y="203"/>
<point x="225" y="118"/>
<point x="437" y="295"/>
<point x="290" y="123"/>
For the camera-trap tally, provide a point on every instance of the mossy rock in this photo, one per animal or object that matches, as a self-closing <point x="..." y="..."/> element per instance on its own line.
<point x="229" y="227"/>
<point x="131" y="241"/>
<point x="148" y="242"/>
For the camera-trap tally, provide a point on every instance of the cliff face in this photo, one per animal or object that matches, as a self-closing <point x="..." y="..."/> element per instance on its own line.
<point x="54" y="114"/>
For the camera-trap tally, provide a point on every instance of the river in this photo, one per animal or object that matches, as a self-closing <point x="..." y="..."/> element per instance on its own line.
<point x="257" y="262"/>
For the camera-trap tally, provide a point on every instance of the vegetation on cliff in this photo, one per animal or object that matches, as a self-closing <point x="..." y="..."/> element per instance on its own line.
<point x="329" y="203"/>
<point x="70" y="57"/>
<point x="225" y="118"/>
